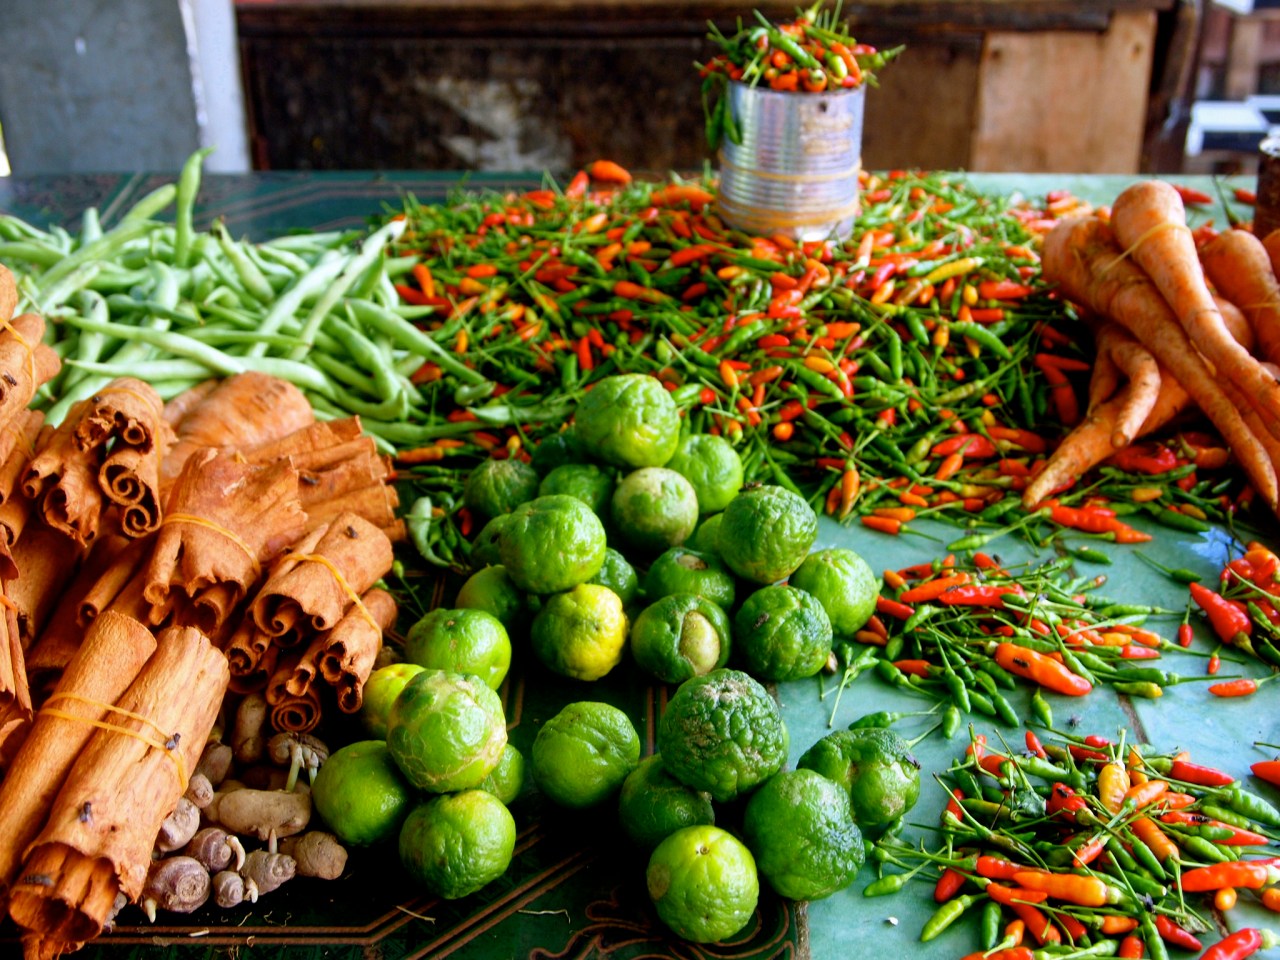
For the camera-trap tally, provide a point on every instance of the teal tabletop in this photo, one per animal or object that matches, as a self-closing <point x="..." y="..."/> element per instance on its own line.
<point x="575" y="888"/>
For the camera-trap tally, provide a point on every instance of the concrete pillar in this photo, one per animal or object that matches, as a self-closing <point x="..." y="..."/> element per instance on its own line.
<point x="127" y="85"/>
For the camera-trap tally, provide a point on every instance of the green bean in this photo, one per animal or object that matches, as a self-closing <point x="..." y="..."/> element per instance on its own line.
<point x="106" y="246"/>
<point x="412" y="339"/>
<point x="307" y="285"/>
<point x="184" y="208"/>
<point x="152" y="203"/>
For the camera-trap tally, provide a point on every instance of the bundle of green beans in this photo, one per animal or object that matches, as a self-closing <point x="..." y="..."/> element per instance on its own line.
<point x="156" y="300"/>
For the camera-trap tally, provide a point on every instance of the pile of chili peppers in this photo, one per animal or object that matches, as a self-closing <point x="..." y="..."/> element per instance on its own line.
<point x="1093" y="845"/>
<point x="1242" y="612"/>
<point x="813" y="53"/>
<point x="912" y="370"/>
<point x="962" y="632"/>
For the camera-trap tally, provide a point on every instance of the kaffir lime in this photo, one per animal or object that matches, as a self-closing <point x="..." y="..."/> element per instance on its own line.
<point x="628" y="420"/>
<point x="766" y="532"/>
<point x="781" y="633"/>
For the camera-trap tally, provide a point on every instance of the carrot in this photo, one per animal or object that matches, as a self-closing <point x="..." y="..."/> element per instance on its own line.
<point x="1082" y="259"/>
<point x="1104" y="380"/>
<point x="1237" y="264"/>
<point x="1150" y="222"/>
<point x="1144" y="382"/>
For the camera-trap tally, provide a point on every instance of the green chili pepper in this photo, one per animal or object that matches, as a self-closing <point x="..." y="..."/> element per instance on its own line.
<point x="1142" y="853"/>
<point x="947" y="914"/>
<point x="951" y="718"/>
<point x="1040" y="708"/>
<point x="990" y="924"/>
<point x="1251" y="805"/>
<point x="1203" y="849"/>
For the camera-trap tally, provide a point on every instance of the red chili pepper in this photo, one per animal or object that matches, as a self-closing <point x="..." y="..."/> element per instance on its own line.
<point x="1239" y="836"/>
<point x="1043" y="669"/>
<point x="1008" y="953"/>
<point x="1065" y="801"/>
<point x="1241" y="944"/>
<point x="1006" y="895"/>
<point x="1144" y="458"/>
<point x="1192" y="196"/>
<point x="993" y="868"/>
<point x="1035" y="746"/>
<point x="979" y="595"/>
<point x="1072" y="927"/>
<point x="1242" y="874"/>
<point x="1003" y="290"/>
<point x="1268" y="770"/>
<point x="948" y="885"/>
<point x="890" y="607"/>
<point x="918" y="668"/>
<point x="932" y="589"/>
<point x="1184" y="635"/>
<point x="970" y="444"/>
<point x="1170" y="932"/>
<point x="953" y="805"/>
<point x="1234" y="688"/>
<point x="1228" y="618"/>
<point x="1131" y="948"/>
<point x="882" y="524"/>
<point x="1200" y="775"/>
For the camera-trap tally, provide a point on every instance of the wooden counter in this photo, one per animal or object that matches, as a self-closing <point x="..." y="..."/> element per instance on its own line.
<point x="539" y="84"/>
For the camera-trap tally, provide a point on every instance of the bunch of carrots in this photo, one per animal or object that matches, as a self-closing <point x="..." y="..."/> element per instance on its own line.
<point x="1180" y="318"/>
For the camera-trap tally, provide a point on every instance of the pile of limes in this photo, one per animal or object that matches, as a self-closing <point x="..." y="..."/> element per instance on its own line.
<point x="622" y="541"/>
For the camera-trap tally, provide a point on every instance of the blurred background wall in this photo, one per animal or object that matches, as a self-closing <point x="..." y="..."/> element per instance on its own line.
<point x="1032" y="85"/>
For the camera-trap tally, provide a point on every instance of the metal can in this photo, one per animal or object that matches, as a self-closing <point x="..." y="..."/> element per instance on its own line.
<point x="795" y="170"/>
<point x="1266" y="210"/>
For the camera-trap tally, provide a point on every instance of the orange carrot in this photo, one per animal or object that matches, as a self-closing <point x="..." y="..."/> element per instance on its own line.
<point x="1082" y="259"/>
<point x="1150" y="222"/>
<point x="1237" y="264"/>
<point x="1144" y="382"/>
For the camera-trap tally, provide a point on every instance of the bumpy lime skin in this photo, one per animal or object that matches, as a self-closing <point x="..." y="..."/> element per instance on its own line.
<point x="875" y="765"/>
<point x="628" y="420"/>
<point x="446" y="731"/>
<point x="723" y="733"/>
<point x="458" y="843"/>
<point x="680" y="636"/>
<point x="574" y="534"/>
<point x="582" y="755"/>
<point x="765" y="533"/>
<point x="781" y="633"/>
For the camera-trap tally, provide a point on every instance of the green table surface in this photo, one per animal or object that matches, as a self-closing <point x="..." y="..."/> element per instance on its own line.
<point x="575" y="889"/>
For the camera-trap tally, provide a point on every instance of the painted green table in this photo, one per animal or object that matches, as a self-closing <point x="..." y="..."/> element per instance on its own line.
<point x="575" y="889"/>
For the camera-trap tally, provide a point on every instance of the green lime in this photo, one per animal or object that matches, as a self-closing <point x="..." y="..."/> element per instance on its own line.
<point x="461" y="641"/>
<point x="628" y="420"/>
<point x="446" y="731"/>
<point x="586" y="481"/>
<point x="703" y="882"/>
<point x="706" y="535"/>
<point x="361" y="794"/>
<point x="492" y="591"/>
<point x="552" y="544"/>
<point x="843" y="584"/>
<point x="766" y="532"/>
<point x="875" y="766"/>
<point x="654" y="508"/>
<point x="506" y="780"/>
<point x="583" y="753"/>
<point x="684" y="570"/>
<point x="713" y="467"/>
<point x="580" y="633"/>
<point x="799" y="825"/>
<point x="555" y="450"/>
<point x="618" y="575"/>
<point x="680" y="636"/>
<point x="485" y="549"/>
<point x="455" y="844"/>
<point x="496" y="487"/>
<point x="380" y="692"/>
<point x="652" y="804"/>
<point x="782" y="633"/>
<point x="722" y="733"/>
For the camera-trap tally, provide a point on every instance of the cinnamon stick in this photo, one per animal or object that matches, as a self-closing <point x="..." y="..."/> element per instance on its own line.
<point x="48" y="560"/>
<point x="352" y="647"/>
<point x="99" y="833"/>
<point x="25" y="362"/>
<point x="15" y="693"/>
<point x="113" y="652"/>
<point x="313" y="594"/>
<point x="62" y="478"/>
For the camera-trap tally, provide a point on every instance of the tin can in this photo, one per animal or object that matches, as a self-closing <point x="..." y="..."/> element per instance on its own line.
<point x="795" y="170"/>
<point x="1266" y="210"/>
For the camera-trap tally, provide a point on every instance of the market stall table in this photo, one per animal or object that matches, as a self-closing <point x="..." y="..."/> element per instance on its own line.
<point x="575" y="888"/>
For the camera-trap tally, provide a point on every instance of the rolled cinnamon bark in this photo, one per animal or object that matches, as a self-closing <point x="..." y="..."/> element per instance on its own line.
<point x="15" y="693"/>
<point x="62" y="479"/>
<point x="97" y="840"/>
<point x="48" y="560"/>
<point x="108" y="661"/>
<point x="351" y="648"/>
<point x="314" y="593"/>
<point x="25" y="363"/>
<point x="126" y="410"/>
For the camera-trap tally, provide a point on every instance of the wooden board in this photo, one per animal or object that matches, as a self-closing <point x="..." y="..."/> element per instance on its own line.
<point x="1071" y="101"/>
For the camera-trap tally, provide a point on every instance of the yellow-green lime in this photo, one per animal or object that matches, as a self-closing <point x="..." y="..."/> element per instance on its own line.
<point x="457" y="843"/>
<point x="446" y="731"/>
<point x="486" y="548"/>
<point x="703" y="882"/>
<point x="580" y="633"/>
<point x="844" y="585"/>
<point x="586" y="481"/>
<point x="618" y="575"/>
<point x="361" y="794"/>
<point x="461" y="640"/>
<point x="551" y="544"/>
<point x="706" y="535"/>
<point x="679" y="636"/>
<point x="581" y="755"/>
<point x="781" y="633"/>
<point x="685" y="570"/>
<point x="380" y="692"/>
<point x="875" y="765"/>
<point x="506" y="781"/>
<point x="496" y="487"/>
<point x="652" y="804"/>
<point x="799" y="825"/>
<point x="722" y="733"/>
<point x="654" y="508"/>
<point x="628" y="420"/>
<point x="712" y="465"/>
<point x="492" y="591"/>
<point x="766" y="532"/>
<point x="557" y="449"/>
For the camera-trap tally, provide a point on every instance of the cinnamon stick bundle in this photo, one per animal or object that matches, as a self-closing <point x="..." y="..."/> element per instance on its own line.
<point x="223" y="518"/>
<point x="313" y="588"/>
<point x="352" y="647"/>
<point x="15" y="692"/>
<point x="25" y="362"/>
<point x="62" y="479"/>
<point x="48" y="560"/>
<point x="239" y="413"/>
<point x="113" y="652"/>
<point x="98" y="836"/>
